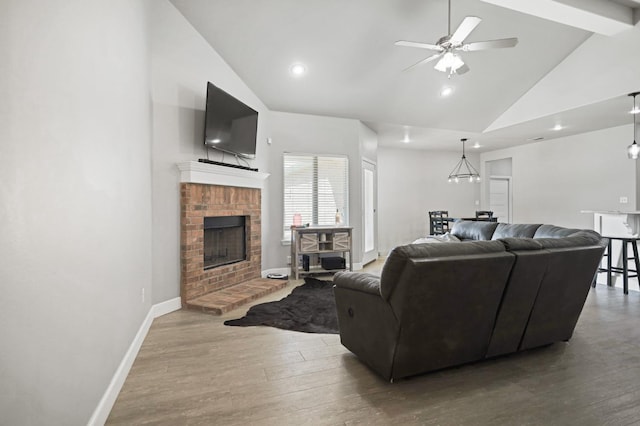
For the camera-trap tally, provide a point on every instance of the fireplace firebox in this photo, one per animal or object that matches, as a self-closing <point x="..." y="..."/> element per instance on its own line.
<point x="224" y="240"/>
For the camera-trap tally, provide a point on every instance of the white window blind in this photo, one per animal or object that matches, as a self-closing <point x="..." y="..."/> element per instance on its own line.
<point x="315" y="187"/>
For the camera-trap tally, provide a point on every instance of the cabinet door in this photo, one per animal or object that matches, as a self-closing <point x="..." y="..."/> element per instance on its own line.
<point x="308" y="242"/>
<point x="341" y="241"/>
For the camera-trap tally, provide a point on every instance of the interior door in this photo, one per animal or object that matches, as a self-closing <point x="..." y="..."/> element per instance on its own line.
<point x="500" y="198"/>
<point x="369" y="208"/>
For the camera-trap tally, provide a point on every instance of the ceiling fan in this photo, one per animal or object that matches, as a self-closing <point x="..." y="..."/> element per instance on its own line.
<point x="448" y="46"/>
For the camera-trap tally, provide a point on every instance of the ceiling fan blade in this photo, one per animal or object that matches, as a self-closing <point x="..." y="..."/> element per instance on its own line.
<point x="489" y="44"/>
<point x="418" y="45"/>
<point x="424" y="61"/>
<point x="463" y="69"/>
<point x="468" y="24"/>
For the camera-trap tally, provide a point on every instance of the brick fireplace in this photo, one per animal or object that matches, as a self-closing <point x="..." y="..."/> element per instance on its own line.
<point x="231" y="198"/>
<point x="199" y="201"/>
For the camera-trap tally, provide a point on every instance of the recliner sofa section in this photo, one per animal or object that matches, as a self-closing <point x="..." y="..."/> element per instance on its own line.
<point x="440" y="305"/>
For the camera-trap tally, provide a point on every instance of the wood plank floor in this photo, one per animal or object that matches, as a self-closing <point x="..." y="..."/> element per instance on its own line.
<point x="194" y="370"/>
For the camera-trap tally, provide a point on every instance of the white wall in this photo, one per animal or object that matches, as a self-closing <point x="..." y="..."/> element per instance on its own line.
<point x="410" y="184"/>
<point x="500" y="167"/>
<point x="181" y="64"/>
<point x="300" y="133"/>
<point x="368" y="143"/>
<point x="554" y="180"/>
<point x="75" y="202"/>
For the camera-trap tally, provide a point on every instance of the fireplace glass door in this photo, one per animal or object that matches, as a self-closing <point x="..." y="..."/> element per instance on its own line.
<point x="224" y="240"/>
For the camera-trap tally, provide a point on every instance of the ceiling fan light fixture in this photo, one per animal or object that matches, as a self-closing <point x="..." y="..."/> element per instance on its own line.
<point x="450" y="62"/>
<point x="633" y="151"/>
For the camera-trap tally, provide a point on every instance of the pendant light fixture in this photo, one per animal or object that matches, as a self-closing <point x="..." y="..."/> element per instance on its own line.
<point x="464" y="169"/>
<point x="634" y="149"/>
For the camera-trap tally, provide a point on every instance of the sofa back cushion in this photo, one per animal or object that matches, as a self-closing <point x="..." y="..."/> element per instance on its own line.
<point x="552" y="231"/>
<point x="562" y="293"/>
<point x="398" y="258"/>
<point x="446" y="307"/>
<point x="576" y="239"/>
<point x="473" y="230"/>
<point x="519" y="296"/>
<point x="521" y="244"/>
<point x="515" y="230"/>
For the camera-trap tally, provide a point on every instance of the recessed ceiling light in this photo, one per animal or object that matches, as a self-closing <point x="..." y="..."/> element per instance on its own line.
<point x="635" y="110"/>
<point x="298" y="69"/>
<point x="557" y="127"/>
<point x="477" y="145"/>
<point x="406" y="138"/>
<point x="446" y="91"/>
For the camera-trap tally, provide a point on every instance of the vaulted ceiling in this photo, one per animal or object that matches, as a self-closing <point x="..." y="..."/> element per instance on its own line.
<point x="575" y="62"/>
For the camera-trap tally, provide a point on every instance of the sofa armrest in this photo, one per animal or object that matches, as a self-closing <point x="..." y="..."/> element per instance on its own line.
<point x="359" y="281"/>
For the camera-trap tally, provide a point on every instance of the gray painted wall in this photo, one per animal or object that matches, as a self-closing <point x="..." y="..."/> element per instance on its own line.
<point x="75" y="202"/>
<point x="181" y="64"/>
<point x="554" y="180"/>
<point x="300" y="133"/>
<point x="410" y="184"/>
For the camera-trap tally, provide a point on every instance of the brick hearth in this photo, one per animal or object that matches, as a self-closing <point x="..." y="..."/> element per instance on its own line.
<point x="223" y="288"/>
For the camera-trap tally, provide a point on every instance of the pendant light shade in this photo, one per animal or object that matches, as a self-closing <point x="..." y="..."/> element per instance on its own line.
<point x="464" y="170"/>
<point x="633" y="150"/>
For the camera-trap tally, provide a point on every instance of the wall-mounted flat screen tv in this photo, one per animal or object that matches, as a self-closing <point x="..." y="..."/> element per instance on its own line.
<point x="230" y="125"/>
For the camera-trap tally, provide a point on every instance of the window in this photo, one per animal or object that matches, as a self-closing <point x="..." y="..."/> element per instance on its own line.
<point x="315" y="187"/>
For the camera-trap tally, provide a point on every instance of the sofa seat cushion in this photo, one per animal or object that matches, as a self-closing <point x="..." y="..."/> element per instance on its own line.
<point x="515" y="230"/>
<point x="473" y="230"/>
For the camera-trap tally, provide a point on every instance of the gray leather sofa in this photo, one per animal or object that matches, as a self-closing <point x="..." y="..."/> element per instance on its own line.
<point x="505" y="288"/>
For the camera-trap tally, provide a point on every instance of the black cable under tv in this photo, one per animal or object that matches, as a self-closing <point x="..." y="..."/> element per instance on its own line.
<point x="219" y="163"/>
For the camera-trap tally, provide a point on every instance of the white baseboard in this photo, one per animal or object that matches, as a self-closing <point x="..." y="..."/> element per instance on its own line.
<point x="166" y="307"/>
<point x="101" y="413"/>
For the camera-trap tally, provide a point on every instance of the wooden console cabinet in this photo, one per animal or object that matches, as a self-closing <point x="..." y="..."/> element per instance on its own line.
<point x="310" y="244"/>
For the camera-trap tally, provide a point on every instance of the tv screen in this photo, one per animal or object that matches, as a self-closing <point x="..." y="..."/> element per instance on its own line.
<point x="230" y="125"/>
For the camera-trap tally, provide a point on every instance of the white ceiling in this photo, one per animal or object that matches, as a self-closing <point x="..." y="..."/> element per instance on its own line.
<point x="355" y="71"/>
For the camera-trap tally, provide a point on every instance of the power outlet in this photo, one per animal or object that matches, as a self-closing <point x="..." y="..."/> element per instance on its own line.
<point x="142" y="294"/>
<point x="288" y="260"/>
<point x="624" y="200"/>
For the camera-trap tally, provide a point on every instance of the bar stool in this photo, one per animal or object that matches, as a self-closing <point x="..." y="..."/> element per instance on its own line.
<point x="624" y="270"/>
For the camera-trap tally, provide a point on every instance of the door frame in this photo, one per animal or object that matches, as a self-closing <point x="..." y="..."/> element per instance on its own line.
<point x="370" y="256"/>
<point x="509" y="193"/>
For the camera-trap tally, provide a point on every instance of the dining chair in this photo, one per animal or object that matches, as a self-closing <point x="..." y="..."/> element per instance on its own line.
<point x="438" y="222"/>
<point x="484" y="215"/>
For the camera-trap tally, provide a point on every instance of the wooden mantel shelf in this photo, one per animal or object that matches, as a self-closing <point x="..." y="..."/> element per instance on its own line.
<point x="212" y="174"/>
